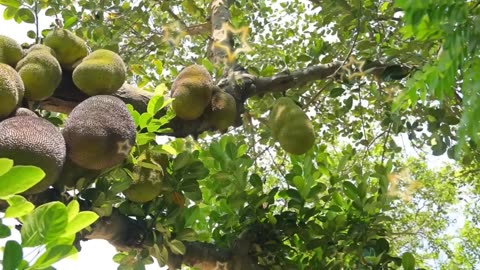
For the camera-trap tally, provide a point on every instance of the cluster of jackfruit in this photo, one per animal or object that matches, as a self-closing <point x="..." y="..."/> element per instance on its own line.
<point x="291" y="127"/>
<point x="196" y="96"/>
<point x="40" y="69"/>
<point x="98" y="134"/>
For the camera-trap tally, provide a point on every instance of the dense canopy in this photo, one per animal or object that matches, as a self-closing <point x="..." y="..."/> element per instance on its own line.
<point x="388" y="91"/>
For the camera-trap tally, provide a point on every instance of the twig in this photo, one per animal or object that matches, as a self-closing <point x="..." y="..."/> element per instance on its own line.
<point x="385" y="142"/>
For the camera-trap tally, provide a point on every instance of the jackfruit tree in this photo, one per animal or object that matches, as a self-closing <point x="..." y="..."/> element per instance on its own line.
<point x="242" y="134"/>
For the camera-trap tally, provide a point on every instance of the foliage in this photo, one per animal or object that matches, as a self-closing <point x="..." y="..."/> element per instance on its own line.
<point x="50" y="227"/>
<point x="356" y="200"/>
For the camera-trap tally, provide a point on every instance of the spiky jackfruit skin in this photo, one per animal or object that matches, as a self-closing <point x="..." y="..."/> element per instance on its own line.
<point x="192" y="90"/>
<point x="99" y="132"/>
<point x="38" y="47"/>
<point x="23" y="112"/>
<point x="10" y="51"/>
<point x="41" y="74"/>
<point x="223" y="111"/>
<point x="68" y="47"/>
<point x="147" y="182"/>
<point x="29" y="140"/>
<point x="291" y="127"/>
<point x="11" y="90"/>
<point x="100" y="73"/>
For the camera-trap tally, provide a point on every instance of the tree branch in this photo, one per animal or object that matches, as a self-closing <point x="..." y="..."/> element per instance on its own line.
<point x="237" y="81"/>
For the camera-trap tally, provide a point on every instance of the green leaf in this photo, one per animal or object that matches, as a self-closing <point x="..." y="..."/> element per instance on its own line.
<point x="44" y="224"/>
<point x="182" y="160"/>
<point x="350" y="190"/>
<point x="50" y="12"/>
<point x="26" y="15"/>
<point x="5" y="165"/>
<point x="19" y="206"/>
<point x="53" y="255"/>
<point x="408" y="261"/>
<point x="9" y="13"/>
<point x="336" y="92"/>
<point x="188" y="235"/>
<point x="73" y="208"/>
<point x="31" y="34"/>
<point x="177" y="247"/>
<point x="12" y="255"/>
<point x="80" y="222"/>
<point x="69" y="22"/>
<point x="19" y="179"/>
<point x="11" y="3"/>
<point x="4" y="231"/>
<point x="155" y="104"/>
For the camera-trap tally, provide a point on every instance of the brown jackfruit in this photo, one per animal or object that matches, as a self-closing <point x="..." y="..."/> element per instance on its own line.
<point x="41" y="74"/>
<point x="192" y="90"/>
<point x="223" y="111"/>
<point x="100" y="73"/>
<point x="10" y="51"/>
<point x="99" y="132"/>
<point x="11" y="90"/>
<point x="68" y="47"/>
<point x="30" y="140"/>
<point x="291" y="127"/>
<point x="23" y="112"/>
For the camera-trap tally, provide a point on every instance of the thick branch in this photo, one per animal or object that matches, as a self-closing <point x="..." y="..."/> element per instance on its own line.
<point x="237" y="81"/>
<point x="287" y="80"/>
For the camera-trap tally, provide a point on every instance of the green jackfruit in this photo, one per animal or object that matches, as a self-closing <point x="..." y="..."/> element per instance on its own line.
<point x="291" y="127"/>
<point x="68" y="47"/>
<point x="10" y="51"/>
<point x="192" y="90"/>
<point x="11" y="90"/>
<point x="147" y="178"/>
<point x="100" y="73"/>
<point x="41" y="74"/>
<point x="223" y="111"/>
<point x="29" y="140"/>
<point x="40" y="47"/>
<point x="99" y="132"/>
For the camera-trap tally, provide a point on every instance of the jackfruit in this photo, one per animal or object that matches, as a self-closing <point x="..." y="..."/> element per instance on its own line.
<point x="147" y="179"/>
<point x="23" y="112"/>
<point x="223" y="111"/>
<point x="192" y="90"/>
<point x="29" y="140"/>
<point x="99" y="132"/>
<point x="68" y="47"/>
<point x="41" y="74"/>
<point x="10" y="51"/>
<point x="38" y="47"/>
<point x="11" y="90"/>
<point x="291" y="127"/>
<point x="100" y="73"/>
